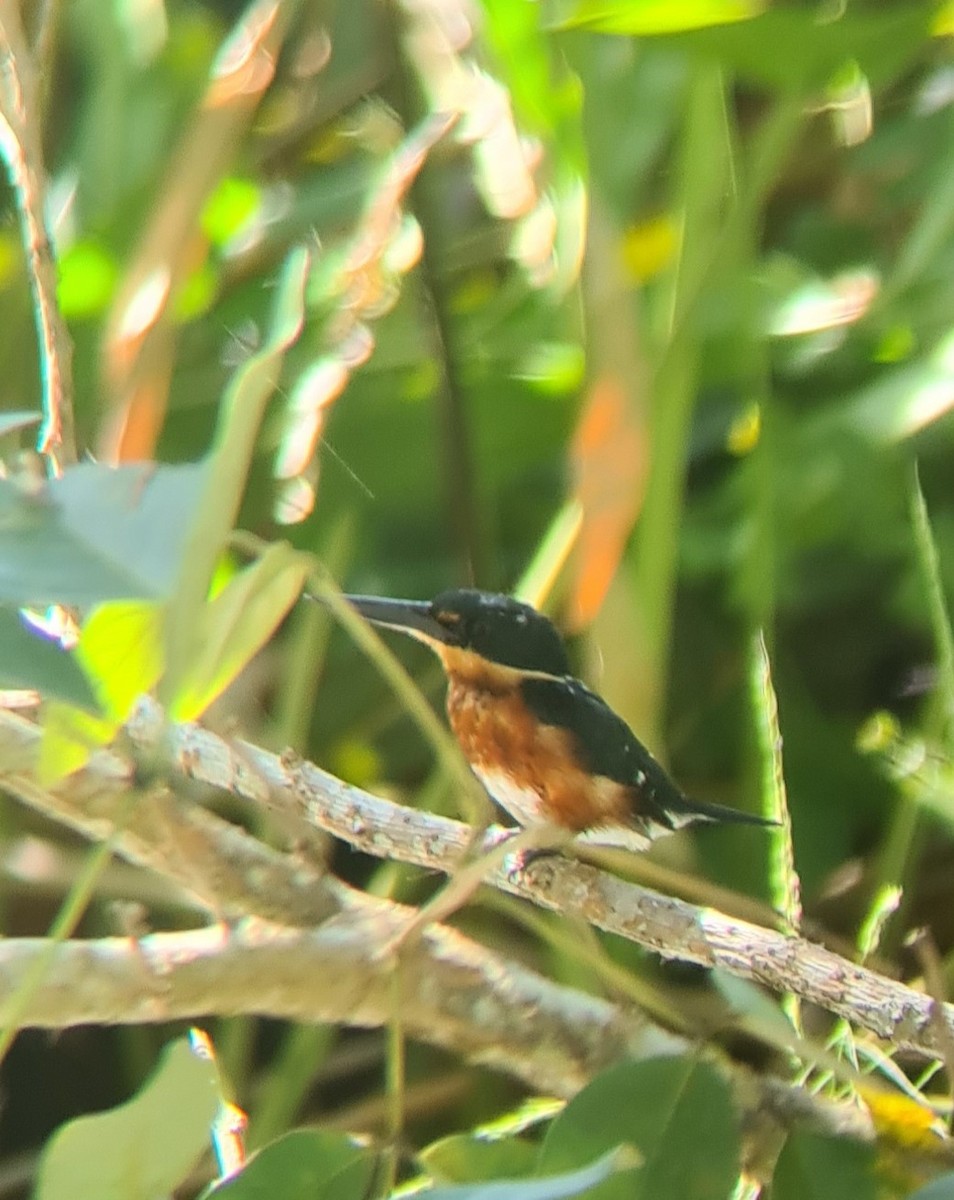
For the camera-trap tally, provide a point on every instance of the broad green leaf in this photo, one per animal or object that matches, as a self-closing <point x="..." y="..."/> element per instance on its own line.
<point x="881" y="43"/>
<point x="467" y="1157"/>
<point x="237" y="623"/>
<point x="30" y="660"/>
<point x="548" y="1187"/>
<point x="657" y="16"/>
<point x="143" y="1149"/>
<point x="120" y="648"/>
<point x="69" y="738"/>
<point x="98" y="533"/>
<point x="312" y="1164"/>
<point x="677" y="1112"/>
<point x="813" y="1167"/>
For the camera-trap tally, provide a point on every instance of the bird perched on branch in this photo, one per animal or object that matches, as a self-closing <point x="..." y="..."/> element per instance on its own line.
<point x="546" y="748"/>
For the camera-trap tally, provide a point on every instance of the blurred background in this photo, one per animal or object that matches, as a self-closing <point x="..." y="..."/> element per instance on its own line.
<point x="643" y="311"/>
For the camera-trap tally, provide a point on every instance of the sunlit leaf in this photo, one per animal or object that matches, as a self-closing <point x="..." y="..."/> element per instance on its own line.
<point x="143" y="1149"/>
<point x="622" y="1159"/>
<point x="308" y="1164"/>
<point x="69" y="737"/>
<point x="676" y="1112"/>
<point x="657" y="16"/>
<point x="120" y="648"/>
<point x="237" y="623"/>
<point x="466" y="1158"/>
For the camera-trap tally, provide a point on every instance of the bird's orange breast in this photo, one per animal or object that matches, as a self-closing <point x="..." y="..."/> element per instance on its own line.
<point x="501" y="739"/>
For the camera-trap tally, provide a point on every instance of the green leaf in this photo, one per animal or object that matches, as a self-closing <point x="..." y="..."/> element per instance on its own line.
<point x="237" y="623"/>
<point x="98" y="533"/>
<point x="466" y="1157"/>
<point x="551" y="1187"/>
<point x="120" y="648"/>
<point x="677" y="1112"/>
<point x="932" y="582"/>
<point x="657" y="16"/>
<point x="143" y="1149"/>
<point x="312" y="1164"/>
<point x="812" y="1167"/>
<point x="30" y="660"/>
<point x="880" y="43"/>
<point x="69" y="738"/>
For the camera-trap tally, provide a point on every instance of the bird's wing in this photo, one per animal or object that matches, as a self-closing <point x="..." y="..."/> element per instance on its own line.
<point x="605" y="743"/>
<point x="607" y="746"/>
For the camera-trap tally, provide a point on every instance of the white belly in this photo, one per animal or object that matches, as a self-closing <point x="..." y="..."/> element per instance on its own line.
<point x="523" y="804"/>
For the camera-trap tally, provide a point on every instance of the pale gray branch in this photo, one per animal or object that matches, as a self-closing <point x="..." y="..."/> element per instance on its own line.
<point x="672" y="927"/>
<point x="454" y="993"/>
<point x="299" y="792"/>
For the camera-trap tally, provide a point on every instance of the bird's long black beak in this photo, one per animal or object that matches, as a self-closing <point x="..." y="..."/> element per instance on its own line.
<point x="415" y="617"/>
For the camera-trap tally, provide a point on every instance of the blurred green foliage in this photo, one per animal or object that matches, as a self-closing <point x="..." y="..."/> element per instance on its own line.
<point x="722" y="233"/>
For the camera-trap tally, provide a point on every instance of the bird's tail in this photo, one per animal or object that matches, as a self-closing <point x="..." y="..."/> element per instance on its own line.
<point x="688" y="811"/>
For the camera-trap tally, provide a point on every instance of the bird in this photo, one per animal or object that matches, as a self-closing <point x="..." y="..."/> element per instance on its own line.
<point x="546" y="748"/>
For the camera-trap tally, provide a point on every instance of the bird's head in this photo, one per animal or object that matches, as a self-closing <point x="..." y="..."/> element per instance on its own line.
<point x="493" y="628"/>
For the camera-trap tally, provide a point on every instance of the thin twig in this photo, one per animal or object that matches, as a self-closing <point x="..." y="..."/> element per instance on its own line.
<point x="21" y="146"/>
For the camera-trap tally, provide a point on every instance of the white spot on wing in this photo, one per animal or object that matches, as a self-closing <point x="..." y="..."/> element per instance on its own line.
<point x="623" y="836"/>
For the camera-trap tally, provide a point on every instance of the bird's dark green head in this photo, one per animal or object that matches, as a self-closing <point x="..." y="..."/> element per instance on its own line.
<point x="494" y="627"/>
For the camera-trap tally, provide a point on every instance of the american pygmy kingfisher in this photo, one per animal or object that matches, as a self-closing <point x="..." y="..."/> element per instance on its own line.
<point x="545" y="747"/>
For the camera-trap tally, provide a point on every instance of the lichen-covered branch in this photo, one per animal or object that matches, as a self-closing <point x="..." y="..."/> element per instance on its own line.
<point x="454" y="993"/>
<point x="298" y="792"/>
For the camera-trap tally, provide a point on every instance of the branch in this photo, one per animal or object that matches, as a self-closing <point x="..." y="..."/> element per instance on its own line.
<point x="454" y="993"/>
<point x="21" y="146"/>
<point x="299" y="792"/>
<point x="673" y="928"/>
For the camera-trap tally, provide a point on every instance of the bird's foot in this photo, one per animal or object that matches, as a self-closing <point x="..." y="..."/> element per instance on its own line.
<point x="521" y="860"/>
<point x="531" y="844"/>
<point x="497" y="835"/>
